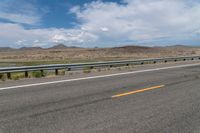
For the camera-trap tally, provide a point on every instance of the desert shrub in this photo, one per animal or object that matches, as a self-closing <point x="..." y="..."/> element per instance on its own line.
<point x="99" y="70"/>
<point x="62" y="72"/>
<point x="87" y="70"/>
<point x="70" y="73"/>
<point x="119" y="68"/>
<point x="193" y="52"/>
<point x="17" y="76"/>
<point x="36" y="74"/>
<point x="2" y="77"/>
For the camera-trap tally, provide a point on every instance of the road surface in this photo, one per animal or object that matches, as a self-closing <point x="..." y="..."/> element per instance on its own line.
<point x="149" y="100"/>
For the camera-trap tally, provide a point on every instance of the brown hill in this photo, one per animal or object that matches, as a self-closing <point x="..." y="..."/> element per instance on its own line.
<point x="30" y="48"/>
<point x="63" y="53"/>
<point x="5" y="49"/>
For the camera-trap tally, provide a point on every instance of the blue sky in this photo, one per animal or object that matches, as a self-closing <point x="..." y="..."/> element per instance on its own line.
<point x="99" y="23"/>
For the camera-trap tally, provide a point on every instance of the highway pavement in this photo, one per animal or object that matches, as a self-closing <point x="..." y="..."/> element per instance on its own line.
<point x="161" y="99"/>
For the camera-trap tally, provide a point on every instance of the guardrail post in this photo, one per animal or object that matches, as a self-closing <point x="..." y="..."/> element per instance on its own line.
<point x="26" y="74"/>
<point x="56" y="72"/>
<point x="9" y="75"/>
<point x="42" y="73"/>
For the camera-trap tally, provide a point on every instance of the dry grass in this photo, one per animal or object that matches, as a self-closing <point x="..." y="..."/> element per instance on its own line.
<point x="70" y="55"/>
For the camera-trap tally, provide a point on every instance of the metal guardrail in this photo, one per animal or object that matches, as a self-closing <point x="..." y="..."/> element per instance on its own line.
<point x="79" y="66"/>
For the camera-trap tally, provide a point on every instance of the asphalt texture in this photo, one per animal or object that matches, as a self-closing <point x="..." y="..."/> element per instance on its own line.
<point x="88" y="106"/>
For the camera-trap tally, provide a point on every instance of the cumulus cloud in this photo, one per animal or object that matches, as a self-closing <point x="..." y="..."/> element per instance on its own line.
<point x="20" y="18"/>
<point x="20" y="11"/>
<point x="141" y="20"/>
<point x="73" y="36"/>
<point x="104" y="29"/>
<point x="101" y="23"/>
<point x="15" y="35"/>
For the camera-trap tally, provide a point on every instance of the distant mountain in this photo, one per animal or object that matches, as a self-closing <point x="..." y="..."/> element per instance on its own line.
<point x="30" y="48"/>
<point x="128" y="48"/>
<point x="180" y="46"/>
<point x="58" y="46"/>
<point x="134" y="49"/>
<point x="61" y="46"/>
<point x="5" y="49"/>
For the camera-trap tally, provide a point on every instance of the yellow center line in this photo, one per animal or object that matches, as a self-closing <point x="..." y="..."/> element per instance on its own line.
<point x="137" y="91"/>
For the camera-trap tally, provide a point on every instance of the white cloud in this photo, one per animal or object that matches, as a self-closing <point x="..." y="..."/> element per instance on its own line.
<point x="14" y="34"/>
<point x="140" y="20"/>
<point x="101" y="23"/>
<point x="20" y="18"/>
<point x="20" y="11"/>
<point x="105" y="29"/>
<point x="36" y="41"/>
<point x="73" y="36"/>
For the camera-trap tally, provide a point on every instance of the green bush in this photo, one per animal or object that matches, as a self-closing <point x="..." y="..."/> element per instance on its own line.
<point x="17" y="76"/>
<point x="2" y="77"/>
<point x="36" y="74"/>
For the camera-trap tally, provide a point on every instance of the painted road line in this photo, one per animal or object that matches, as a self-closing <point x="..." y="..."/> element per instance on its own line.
<point x="138" y="91"/>
<point x="95" y="77"/>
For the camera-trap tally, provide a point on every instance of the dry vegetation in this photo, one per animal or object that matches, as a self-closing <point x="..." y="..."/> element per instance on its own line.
<point x="32" y="56"/>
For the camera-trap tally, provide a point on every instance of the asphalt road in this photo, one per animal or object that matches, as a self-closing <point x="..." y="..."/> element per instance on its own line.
<point x="161" y="101"/>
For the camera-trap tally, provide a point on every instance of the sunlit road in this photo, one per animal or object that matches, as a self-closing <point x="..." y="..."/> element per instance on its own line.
<point x="165" y="101"/>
